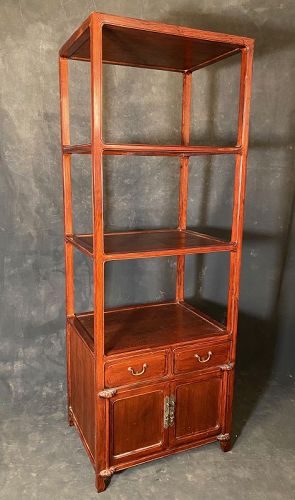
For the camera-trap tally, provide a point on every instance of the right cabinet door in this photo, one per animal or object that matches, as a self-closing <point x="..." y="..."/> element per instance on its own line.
<point x="199" y="408"/>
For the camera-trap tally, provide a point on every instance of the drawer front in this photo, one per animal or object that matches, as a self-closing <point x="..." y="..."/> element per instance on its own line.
<point x="200" y="358"/>
<point x="135" y="369"/>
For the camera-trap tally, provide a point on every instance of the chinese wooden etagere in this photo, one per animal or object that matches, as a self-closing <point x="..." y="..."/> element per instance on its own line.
<point x="150" y="380"/>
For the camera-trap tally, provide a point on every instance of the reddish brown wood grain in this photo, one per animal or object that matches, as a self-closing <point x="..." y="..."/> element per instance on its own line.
<point x="238" y="220"/>
<point x="146" y="353"/>
<point x="185" y="359"/>
<point x="198" y="408"/>
<point x="82" y="389"/>
<point x="101" y="435"/>
<point x="145" y="244"/>
<point x="149" y="44"/>
<point x="145" y="367"/>
<point x="67" y="184"/>
<point x="68" y="217"/>
<point x="164" y="453"/>
<point x="183" y="180"/>
<point x="154" y="149"/>
<point x="77" y="39"/>
<point x="134" y="329"/>
<point x="137" y="423"/>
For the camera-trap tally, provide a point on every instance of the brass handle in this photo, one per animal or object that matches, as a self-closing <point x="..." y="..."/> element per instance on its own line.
<point x="201" y="359"/>
<point x="136" y="374"/>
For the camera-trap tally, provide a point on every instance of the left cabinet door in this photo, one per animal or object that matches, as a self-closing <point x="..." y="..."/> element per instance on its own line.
<point x="137" y="426"/>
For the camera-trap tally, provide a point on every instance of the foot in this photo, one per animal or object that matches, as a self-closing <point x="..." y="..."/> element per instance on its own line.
<point x="225" y="445"/>
<point x="100" y="483"/>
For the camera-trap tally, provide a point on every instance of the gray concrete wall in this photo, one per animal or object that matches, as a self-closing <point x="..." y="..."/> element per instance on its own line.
<point x="142" y="192"/>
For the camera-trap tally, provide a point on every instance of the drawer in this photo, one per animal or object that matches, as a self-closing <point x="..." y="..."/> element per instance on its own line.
<point x="135" y="369"/>
<point x="200" y="358"/>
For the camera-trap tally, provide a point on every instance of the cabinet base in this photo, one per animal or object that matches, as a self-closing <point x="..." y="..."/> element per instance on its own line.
<point x="103" y="479"/>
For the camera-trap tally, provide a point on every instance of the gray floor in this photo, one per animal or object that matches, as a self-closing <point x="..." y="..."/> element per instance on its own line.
<point x="43" y="458"/>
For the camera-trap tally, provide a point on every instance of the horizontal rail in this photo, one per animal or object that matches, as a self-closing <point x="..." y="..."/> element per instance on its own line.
<point x="227" y="247"/>
<point x="154" y="150"/>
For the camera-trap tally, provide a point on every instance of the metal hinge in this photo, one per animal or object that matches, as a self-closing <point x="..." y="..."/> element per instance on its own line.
<point x="107" y="393"/>
<point x="169" y="411"/>
<point x="107" y="472"/>
<point x="223" y="437"/>
<point x="227" y="367"/>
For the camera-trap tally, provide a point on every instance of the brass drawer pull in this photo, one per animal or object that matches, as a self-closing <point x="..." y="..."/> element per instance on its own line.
<point x="202" y="359"/>
<point x="136" y="374"/>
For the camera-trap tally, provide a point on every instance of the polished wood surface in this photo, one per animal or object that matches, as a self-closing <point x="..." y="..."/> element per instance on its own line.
<point x="198" y="408"/>
<point x="164" y="453"/>
<point x="136" y="369"/>
<point x="82" y="389"/>
<point x="200" y="358"/>
<point x="68" y="214"/>
<point x="101" y="409"/>
<point x="238" y="222"/>
<point x="137" y="423"/>
<point x="183" y="180"/>
<point x="134" y="42"/>
<point x="135" y="244"/>
<point x="128" y="367"/>
<point x="139" y="328"/>
<point x="154" y="149"/>
<point x="134" y="47"/>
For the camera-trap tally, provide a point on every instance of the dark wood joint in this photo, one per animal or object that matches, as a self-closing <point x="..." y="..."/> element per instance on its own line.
<point x="234" y="246"/>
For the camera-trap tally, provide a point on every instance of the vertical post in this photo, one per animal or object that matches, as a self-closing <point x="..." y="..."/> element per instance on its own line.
<point x="68" y="215"/>
<point x="237" y="223"/>
<point x="183" y="179"/>
<point x="98" y="244"/>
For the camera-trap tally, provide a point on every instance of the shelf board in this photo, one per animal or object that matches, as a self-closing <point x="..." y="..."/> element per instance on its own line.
<point x="150" y="326"/>
<point x="146" y="44"/>
<point x="157" y="243"/>
<point x="154" y="150"/>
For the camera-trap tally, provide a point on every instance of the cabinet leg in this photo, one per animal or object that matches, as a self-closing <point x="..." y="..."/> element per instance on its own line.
<point x="70" y="417"/>
<point x="100" y="483"/>
<point x="225" y="442"/>
<point x="225" y="445"/>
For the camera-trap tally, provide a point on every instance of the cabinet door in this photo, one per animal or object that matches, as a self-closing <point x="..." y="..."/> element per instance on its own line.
<point x="198" y="408"/>
<point x="137" y="423"/>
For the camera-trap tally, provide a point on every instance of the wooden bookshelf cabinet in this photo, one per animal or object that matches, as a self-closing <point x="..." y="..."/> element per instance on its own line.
<point x="149" y="380"/>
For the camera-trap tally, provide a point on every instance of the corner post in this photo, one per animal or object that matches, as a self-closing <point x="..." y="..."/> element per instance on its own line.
<point x="237" y="225"/>
<point x="68" y="214"/>
<point x="98" y="244"/>
<point x="183" y="179"/>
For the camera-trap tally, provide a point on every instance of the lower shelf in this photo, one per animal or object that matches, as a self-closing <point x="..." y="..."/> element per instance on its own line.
<point x="150" y="326"/>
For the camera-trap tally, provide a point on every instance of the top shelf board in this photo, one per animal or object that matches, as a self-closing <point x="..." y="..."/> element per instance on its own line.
<point x="145" y="44"/>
